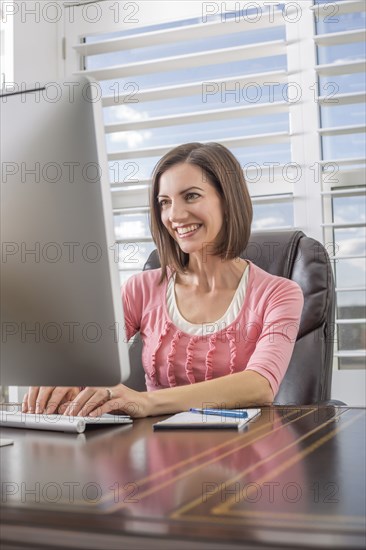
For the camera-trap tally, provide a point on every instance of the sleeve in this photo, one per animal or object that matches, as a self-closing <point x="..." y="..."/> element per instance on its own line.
<point x="132" y="298"/>
<point x="279" y="330"/>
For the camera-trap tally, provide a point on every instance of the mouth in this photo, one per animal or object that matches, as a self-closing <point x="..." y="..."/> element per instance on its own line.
<point x="188" y="230"/>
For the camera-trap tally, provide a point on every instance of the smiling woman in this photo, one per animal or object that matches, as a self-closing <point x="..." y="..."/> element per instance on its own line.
<point x="205" y="181"/>
<point x="216" y="329"/>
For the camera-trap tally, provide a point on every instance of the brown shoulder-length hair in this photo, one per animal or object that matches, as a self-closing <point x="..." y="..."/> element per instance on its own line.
<point x="224" y="172"/>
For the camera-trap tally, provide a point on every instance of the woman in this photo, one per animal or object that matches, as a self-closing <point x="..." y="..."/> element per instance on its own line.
<point x="217" y="330"/>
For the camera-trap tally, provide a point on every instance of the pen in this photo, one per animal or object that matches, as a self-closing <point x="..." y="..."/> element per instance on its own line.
<point x="232" y="413"/>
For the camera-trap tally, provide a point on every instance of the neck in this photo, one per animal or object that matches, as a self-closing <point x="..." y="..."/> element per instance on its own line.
<point x="211" y="273"/>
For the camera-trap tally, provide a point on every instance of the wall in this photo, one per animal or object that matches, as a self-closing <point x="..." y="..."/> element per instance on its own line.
<point x="37" y="44"/>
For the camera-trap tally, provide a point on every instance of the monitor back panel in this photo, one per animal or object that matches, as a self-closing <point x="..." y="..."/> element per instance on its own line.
<point x="61" y="315"/>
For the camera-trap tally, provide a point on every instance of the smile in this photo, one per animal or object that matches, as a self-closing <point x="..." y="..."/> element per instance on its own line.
<point x="188" y="230"/>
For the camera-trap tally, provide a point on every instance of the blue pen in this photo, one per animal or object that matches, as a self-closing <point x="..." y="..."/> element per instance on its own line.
<point x="231" y="413"/>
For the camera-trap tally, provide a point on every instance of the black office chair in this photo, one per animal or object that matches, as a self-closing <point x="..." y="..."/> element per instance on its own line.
<point x="293" y="255"/>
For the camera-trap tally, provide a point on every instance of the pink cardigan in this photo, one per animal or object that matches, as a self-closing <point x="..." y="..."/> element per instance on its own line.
<point x="261" y="338"/>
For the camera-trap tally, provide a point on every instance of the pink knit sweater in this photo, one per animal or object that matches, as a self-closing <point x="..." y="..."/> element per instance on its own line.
<point x="261" y="338"/>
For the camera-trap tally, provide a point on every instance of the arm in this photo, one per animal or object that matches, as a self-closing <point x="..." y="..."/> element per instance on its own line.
<point x="242" y="389"/>
<point x="281" y="321"/>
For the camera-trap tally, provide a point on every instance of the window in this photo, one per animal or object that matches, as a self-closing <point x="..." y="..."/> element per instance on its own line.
<point x="281" y="84"/>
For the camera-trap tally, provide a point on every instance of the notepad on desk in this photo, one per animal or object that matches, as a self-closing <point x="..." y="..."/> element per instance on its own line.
<point x="194" y="420"/>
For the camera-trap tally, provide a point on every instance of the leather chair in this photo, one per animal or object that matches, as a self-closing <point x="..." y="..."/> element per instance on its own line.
<point x="293" y="255"/>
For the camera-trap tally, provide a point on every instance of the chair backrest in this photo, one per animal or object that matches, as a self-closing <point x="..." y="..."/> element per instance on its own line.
<point x="293" y="255"/>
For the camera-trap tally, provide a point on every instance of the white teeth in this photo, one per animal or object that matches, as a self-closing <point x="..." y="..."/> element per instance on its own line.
<point x="183" y="230"/>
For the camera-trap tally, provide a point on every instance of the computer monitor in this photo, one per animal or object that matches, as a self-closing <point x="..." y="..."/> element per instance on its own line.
<point x="62" y="321"/>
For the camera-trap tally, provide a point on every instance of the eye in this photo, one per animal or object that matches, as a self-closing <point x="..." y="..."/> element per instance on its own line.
<point x="191" y="196"/>
<point x="163" y="202"/>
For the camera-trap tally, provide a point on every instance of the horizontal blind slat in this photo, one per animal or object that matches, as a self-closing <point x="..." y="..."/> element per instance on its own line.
<point x="270" y="199"/>
<point x="349" y="321"/>
<point x="346" y="257"/>
<point x="130" y="199"/>
<point x="170" y="92"/>
<point x="279" y="137"/>
<point x="131" y="210"/>
<point x="350" y="353"/>
<point x="344" y="192"/>
<point x="186" y="33"/>
<point x="200" y="116"/>
<point x="343" y="162"/>
<point x="344" y="225"/>
<point x="332" y="69"/>
<point x="322" y="11"/>
<point x="351" y="289"/>
<point x="342" y="99"/>
<point x="211" y="57"/>
<point x="347" y="37"/>
<point x="342" y="130"/>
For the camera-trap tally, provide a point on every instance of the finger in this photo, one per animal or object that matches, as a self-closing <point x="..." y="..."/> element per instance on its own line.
<point x="99" y="398"/>
<point x="43" y="397"/>
<point x="114" y="405"/>
<point x="63" y="407"/>
<point x="32" y="398"/>
<point x="25" y="404"/>
<point x="108" y="407"/>
<point x="55" y="399"/>
<point x="79" y="402"/>
<point x="68" y="399"/>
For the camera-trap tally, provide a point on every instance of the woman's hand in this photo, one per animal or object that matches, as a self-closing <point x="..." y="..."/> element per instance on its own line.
<point x="48" y="400"/>
<point x="118" y="399"/>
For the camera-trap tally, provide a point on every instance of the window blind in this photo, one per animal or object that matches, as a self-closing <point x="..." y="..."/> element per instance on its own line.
<point x="340" y="43"/>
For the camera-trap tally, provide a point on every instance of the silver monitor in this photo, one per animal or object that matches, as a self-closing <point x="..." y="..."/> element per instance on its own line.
<point x="61" y="313"/>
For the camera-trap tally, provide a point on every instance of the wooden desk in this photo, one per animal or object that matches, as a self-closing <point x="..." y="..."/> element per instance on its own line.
<point x="295" y="478"/>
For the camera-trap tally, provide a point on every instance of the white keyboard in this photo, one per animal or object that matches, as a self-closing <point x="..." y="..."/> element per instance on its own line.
<point x="59" y="422"/>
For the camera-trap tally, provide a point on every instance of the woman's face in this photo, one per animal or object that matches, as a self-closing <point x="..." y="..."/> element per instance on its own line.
<point x="191" y="208"/>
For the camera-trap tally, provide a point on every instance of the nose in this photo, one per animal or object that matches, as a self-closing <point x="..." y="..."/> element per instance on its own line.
<point x="177" y="212"/>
